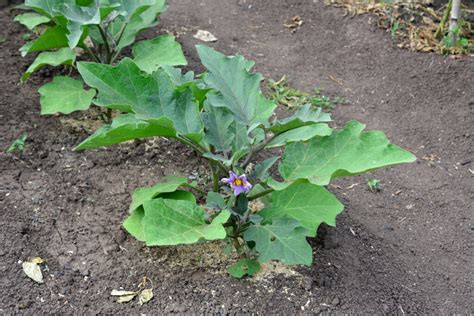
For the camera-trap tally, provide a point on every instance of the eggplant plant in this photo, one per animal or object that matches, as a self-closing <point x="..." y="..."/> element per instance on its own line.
<point x="101" y="29"/>
<point x="223" y="116"/>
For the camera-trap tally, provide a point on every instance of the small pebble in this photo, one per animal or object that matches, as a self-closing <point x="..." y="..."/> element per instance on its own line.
<point x="335" y="301"/>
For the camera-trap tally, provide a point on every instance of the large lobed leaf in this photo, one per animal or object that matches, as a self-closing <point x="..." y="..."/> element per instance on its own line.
<point x="172" y="222"/>
<point x="284" y="240"/>
<point x="78" y="17"/>
<point x="127" y="127"/>
<point x="309" y="204"/>
<point x="63" y="56"/>
<point x="300" y="134"/>
<point x="31" y="19"/>
<point x="161" y="51"/>
<point x="304" y="116"/>
<point x="236" y="88"/>
<point x="150" y="97"/>
<point x="64" y="95"/>
<point x="53" y="38"/>
<point x="343" y="153"/>
<point x="120" y="87"/>
<point x="134" y="222"/>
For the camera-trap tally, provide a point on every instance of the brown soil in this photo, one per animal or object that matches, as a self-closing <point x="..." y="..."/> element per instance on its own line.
<point x="406" y="249"/>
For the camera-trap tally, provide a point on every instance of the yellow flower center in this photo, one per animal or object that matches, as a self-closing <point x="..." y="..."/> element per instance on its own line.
<point x="238" y="182"/>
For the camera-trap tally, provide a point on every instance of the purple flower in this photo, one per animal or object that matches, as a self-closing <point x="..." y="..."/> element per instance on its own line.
<point x="238" y="183"/>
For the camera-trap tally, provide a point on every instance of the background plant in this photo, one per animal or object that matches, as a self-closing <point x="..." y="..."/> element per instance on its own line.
<point x="101" y="29"/>
<point x="224" y="117"/>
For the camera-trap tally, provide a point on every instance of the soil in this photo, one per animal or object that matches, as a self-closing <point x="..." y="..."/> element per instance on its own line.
<point x="406" y="249"/>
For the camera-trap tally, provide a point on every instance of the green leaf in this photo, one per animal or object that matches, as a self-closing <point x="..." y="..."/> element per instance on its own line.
<point x="46" y="7"/>
<point x="283" y="240"/>
<point x="304" y="116"/>
<point x="53" y="38"/>
<point x="237" y="89"/>
<point x="173" y="222"/>
<point x="64" y="95"/>
<point x="244" y="267"/>
<point x="215" y="201"/>
<point x="77" y="18"/>
<point x="31" y="20"/>
<point x="63" y="56"/>
<point x="177" y="104"/>
<point x="134" y="223"/>
<point x="120" y="87"/>
<point x="136" y="17"/>
<point x="309" y="204"/>
<point x="343" y="153"/>
<point x="217" y="122"/>
<point x="18" y="145"/>
<point x="126" y="127"/>
<point x="151" y="97"/>
<point x="166" y="185"/>
<point x="261" y="170"/>
<point x="161" y="51"/>
<point x="300" y="134"/>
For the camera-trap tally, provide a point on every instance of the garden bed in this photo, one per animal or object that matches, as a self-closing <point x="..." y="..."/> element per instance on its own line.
<point x="406" y="249"/>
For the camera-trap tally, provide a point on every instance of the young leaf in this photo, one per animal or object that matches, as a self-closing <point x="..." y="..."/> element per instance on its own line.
<point x="127" y="127"/>
<point x="215" y="201"/>
<point x="134" y="223"/>
<point x="52" y="38"/>
<point x="63" y="56"/>
<point x="304" y="116"/>
<point x="261" y="170"/>
<point x="46" y="7"/>
<point x="172" y="222"/>
<point x="64" y="95"/>
<point x="244" y="267"/>
<point x="309" y="204"/>
<point x="343" y="153"/>
<point x="136" y="17"/>
<point x="161" y="51"/>
<point x="300" y="134"/>
<point x="283" y="240"/>
<point x="217" y="122"/>
<point x="77" y="18"/>
<point x="238" y="90"/>
<point x="31" y="20"/>
<point x="18" y="144"/>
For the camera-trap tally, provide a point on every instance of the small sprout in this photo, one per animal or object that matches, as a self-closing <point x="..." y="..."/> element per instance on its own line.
<point x="18" y="145"/>
<point x="374" y="185"/>
<point x="26" y="36"/>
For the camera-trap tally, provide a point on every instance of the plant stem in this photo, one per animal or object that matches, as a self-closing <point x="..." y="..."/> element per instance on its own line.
<point x="203" y="192"/>
<point x="256" y="149"/>
<point x="108" y="114"/>
<point x="215" y="177"/>
<point x="444" y="20"/>
<point x="106" y="43"/>
<point x="201" y="150"/>
<point x="260" y="194"/>
<point x="238" y="247"/>
<point x="91" y="53"/>
<point x="453" y="22"/>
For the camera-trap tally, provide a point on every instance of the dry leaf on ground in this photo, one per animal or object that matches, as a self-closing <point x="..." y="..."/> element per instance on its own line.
<point x="205" y="36"/>
<point x="33" y="271"/>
